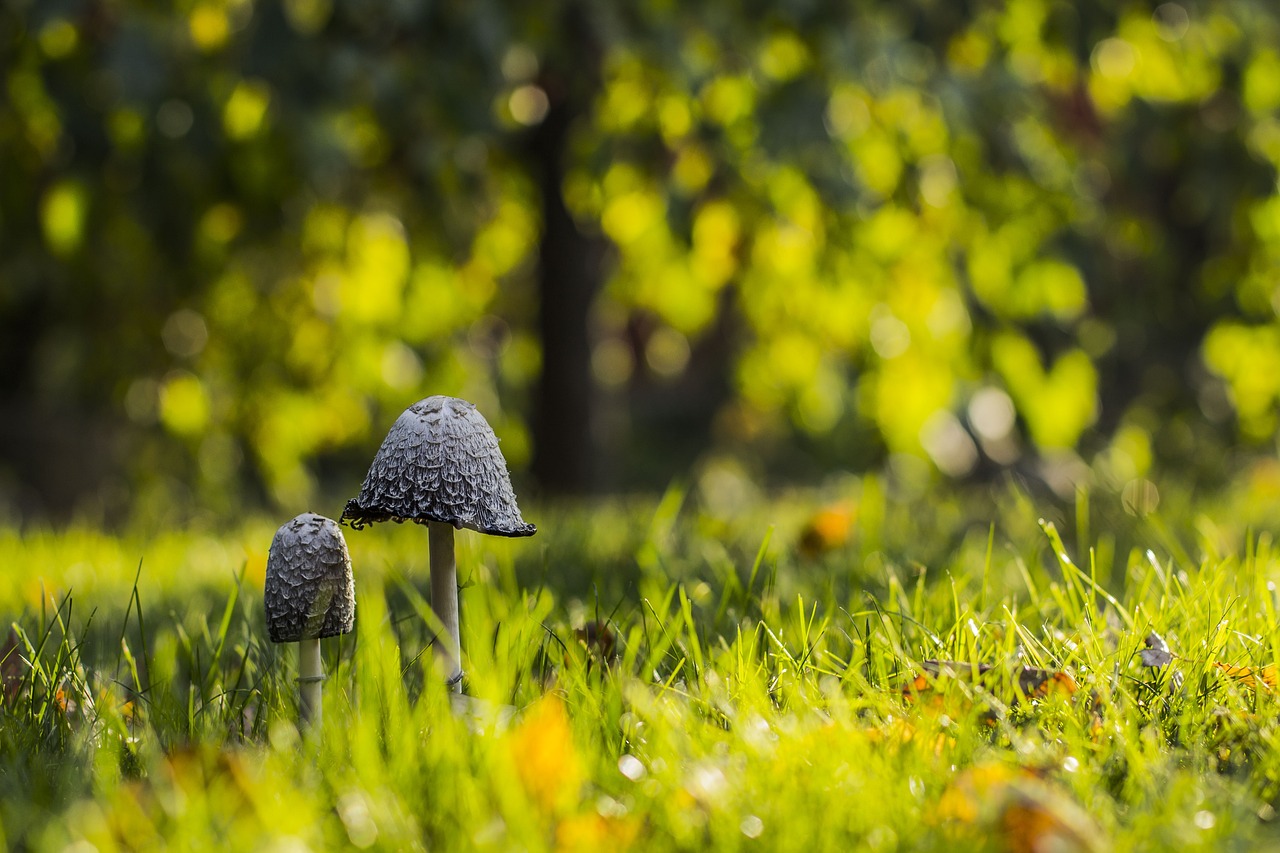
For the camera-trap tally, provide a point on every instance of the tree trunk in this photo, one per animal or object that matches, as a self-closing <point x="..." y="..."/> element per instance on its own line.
<point x="569" y="276"/>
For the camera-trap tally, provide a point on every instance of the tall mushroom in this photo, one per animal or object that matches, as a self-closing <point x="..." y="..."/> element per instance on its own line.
<point x="309" y="594"/>
<point x="440" y="466"/>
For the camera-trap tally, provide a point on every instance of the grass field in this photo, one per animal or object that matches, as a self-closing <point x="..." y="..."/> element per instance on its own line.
<point x="859" y="667"/>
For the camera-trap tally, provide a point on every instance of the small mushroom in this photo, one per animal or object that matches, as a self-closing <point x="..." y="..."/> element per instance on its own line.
<point x="310" y="594"/>
<point x="440" y="466"/>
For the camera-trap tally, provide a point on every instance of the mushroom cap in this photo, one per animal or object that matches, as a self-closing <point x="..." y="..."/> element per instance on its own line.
<point x="309" y="592"/>
<point x="440" y="462"/>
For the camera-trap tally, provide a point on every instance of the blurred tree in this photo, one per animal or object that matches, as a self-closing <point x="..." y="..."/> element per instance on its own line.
<point x="570" y="265"/>
<point x="239" y="237"/>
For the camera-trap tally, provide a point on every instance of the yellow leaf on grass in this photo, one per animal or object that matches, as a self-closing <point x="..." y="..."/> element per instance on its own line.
<point x="592" y="832"/>
<point x="546" y="760"/>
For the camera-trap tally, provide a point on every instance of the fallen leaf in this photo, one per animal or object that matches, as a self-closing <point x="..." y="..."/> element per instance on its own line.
<point x="1157" y="651"/>
<point x="1033" y="682"/>
<point x="829" y="528"/>
<point x="895" y="731"/>
<point x="1251" y="676"/>
<point x="546" y="760"/>
<point x="592" y="832"/>
<point x="12" y="667"/>
<point x="1018" y="809"/>
<point x="598" y="638"/>
<point x="1038" y="683"/>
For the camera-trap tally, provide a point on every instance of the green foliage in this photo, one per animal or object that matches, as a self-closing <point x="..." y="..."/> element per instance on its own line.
<point x="690" y="680"/>
<point x="259" y="231"/>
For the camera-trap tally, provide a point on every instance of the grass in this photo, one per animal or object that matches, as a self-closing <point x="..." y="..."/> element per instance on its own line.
<point x="683" y="672"/>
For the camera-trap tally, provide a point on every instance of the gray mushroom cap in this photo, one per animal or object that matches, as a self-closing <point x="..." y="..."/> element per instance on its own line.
<point x="310" y="592"/>
<point x="440" y="462"/>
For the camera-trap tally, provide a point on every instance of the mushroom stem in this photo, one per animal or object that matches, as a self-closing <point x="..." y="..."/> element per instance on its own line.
<point x="310" y="675"/>
<point x="444" y="600"/>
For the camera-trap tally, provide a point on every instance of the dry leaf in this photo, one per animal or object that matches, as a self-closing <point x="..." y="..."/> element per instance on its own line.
<point x="598" y="639"/>
<point x="592" y="832"/>
<point x="1251" y="676"/>
<point x="1017" y="809"/>
<point x="12" y="667"/>
<point x="1157" y="651"/>
<point x="829" y="528"/>
<point x="546" y="760"/>
<point x="1033" y="682"/>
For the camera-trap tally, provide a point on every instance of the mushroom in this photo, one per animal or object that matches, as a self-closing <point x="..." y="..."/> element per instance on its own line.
<point x="440" y="466"/>
<point x="309" y="594"/>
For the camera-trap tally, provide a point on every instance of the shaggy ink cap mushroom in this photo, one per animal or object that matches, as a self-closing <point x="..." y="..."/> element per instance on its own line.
<point x="440" y="462"/>
<point x="309" y="592"/>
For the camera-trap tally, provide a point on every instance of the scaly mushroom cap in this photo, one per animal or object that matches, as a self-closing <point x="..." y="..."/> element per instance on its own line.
<point x="440" y="462"/>
<point x="310" y="592"/>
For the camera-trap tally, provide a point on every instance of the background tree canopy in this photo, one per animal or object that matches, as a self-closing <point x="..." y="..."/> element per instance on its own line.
<point x="771" y="240"/>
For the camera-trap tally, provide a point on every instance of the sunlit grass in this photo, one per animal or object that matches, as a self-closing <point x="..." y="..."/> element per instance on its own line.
<point x="654" y="675"/>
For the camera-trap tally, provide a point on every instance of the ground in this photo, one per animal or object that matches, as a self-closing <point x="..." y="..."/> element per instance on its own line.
<point x="852" y="667"/>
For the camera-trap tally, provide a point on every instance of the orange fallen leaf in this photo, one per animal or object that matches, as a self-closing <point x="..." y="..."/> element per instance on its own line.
<point x="920" y="683"/>
<point x="1016" y="808"/>
<point x="1251" y="676"/>
<point x="1038" y="683"/>
<point x="1033" y="682"/>
<point x="829" y="528"/>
